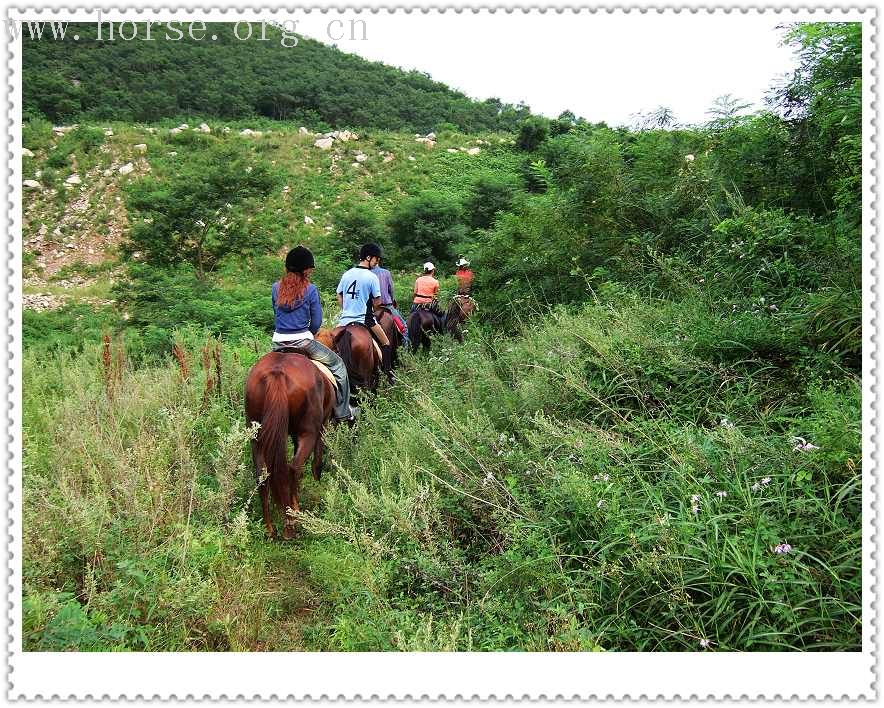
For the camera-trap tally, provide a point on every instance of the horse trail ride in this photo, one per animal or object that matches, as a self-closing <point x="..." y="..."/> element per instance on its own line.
<point x="314" y="375"/>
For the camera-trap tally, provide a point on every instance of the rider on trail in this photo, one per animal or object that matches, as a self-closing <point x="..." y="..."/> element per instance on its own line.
<point x="464" y="277"/>
<point x="426" y="291"/>
<point x="298" y="316"/>
<point x="359" y="294"/>
<point x="388" y="299"/>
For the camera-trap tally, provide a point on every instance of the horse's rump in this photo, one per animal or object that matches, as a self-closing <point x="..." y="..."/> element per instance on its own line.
<point x="287" y="396"/>
<point x="360" y="353"/>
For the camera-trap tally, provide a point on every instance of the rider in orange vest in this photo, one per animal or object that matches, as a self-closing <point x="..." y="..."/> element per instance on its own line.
<point x="426" y="290"/>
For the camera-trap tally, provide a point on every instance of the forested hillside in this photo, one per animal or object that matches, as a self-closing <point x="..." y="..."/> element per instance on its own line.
<point x="650" y="439"/>
<point x="310" y="84"/>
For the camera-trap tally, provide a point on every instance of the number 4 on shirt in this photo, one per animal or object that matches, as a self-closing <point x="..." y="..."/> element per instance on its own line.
<point x="351" y="291"/>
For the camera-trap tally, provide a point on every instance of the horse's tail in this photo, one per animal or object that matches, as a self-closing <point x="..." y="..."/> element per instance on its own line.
<point x="414" y="330"/>
<point x="273" y="434"/>
<point x="344" y="347"/>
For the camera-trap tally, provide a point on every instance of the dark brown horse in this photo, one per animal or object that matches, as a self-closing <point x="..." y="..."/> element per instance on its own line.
<point x="388" y="324"/>
<point x="288" y="396"/>
<point x="356" y="347"/>
<point x="422" y="323"/>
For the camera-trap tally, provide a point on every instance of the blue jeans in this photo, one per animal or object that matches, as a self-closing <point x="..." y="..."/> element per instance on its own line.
<point x="319" y="352"/>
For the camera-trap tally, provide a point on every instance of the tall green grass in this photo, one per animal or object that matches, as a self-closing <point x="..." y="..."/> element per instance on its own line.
<point x="596" y="481"/>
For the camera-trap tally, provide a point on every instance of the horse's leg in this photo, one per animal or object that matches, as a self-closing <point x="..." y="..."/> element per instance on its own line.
<point x="264" y="488"/>
<point x="303" y="447"/>
<point x="318" y="451"/>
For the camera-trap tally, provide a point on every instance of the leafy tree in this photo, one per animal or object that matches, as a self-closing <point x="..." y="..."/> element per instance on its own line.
<point x="196" y="215"/>
<point x="357" y="223"/>
<point x="489" y="195"/>
<point x="424" y="226"/>
<point x="532" y="133"/>
<point x="725" y="108"/>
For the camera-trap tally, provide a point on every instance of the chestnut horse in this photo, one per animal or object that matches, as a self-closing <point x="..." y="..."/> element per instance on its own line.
<point x="422" y="323"/>
<point x="355" y="345"/>
<point x="288" y="396"/>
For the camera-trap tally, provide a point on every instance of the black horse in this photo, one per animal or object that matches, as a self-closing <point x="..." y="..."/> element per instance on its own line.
<point x="423" y="322"/>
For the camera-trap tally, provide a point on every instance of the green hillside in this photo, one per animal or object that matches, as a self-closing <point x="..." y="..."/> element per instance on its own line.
<point x="650" y="439"/>
<point x="310" y="84"/>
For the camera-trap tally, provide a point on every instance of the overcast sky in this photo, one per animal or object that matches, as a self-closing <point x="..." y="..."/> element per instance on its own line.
<point x="600" y="66"/>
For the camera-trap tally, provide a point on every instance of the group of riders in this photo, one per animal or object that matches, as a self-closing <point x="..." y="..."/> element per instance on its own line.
<point x="364" y="291"/>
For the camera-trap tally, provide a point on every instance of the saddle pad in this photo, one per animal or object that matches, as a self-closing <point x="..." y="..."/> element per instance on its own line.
<point x="325" y="371"/>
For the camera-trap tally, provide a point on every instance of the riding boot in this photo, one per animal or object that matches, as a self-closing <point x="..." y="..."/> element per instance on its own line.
<point x="387" y="361"/>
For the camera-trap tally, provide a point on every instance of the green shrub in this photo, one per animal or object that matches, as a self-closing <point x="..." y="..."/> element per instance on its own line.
<point x="423" y="227"/>
<point x="532" y="132"/>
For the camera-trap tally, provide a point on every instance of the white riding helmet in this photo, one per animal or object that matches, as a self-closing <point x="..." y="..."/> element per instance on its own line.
<point x="462" y="262"/>
<point x="428" y="266"/>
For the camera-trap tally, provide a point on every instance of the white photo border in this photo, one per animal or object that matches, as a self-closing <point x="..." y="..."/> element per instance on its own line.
<point x="535" y="676"/>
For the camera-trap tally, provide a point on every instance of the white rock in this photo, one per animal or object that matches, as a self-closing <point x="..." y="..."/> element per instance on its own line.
<point x="246" y="132"/>
<point x="451" y="150"/>
<point x="126" y="169"/>
<point x="151" y="130"/>
<point x="183" y="126"/>
<point x="73" y="179"/>
<point x="174" y="131"/>
<point x="355" y="164"/>
<point x="107" y="173"/>
<point x="389" y="158"/>
<point x="411" y="158"/>
<point x="108" y="133"/>
<point x="257" y="133"/>
<point x="31" y="184"/>
<point x="324" y="143"/>
<point x="26" y="153"/>
<point x="303" y="131"/>
<point x="474" y="151"/>
<point x="431" y="136"/>
<point x="361" y="158"/>
<point x="308" y="220"/>
<point x="141" y="147"/>
<point x="203" y="128"/>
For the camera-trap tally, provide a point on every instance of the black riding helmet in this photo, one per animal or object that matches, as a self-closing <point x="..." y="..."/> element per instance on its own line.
<point x="369" y="250"/>
<point x="299" y="259"/>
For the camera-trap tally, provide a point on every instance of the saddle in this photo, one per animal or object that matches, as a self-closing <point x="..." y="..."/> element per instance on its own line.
<point x="323" y="369"/>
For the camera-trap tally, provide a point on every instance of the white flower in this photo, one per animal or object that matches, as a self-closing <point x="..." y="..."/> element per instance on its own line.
<point x="705" y="643"/>
<point x="765" y="481"/>
<point x="689" y="158"/>
<point x="802" y="445"/>
<point x="600" y="503"/>
<point x="725" y="423"/>
<point x="721" y="495"/>
<point x="756" y="486"/>
<point x="200" y="223"/>
<point x="782" y="548"/>
<point x="601" y="478"/>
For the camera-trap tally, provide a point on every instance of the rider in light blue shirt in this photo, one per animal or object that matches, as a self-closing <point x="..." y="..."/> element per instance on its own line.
<point x="359" y="294"/>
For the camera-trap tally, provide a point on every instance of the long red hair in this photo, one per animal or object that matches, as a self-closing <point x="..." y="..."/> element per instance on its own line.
<point x="291" y="289"/>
